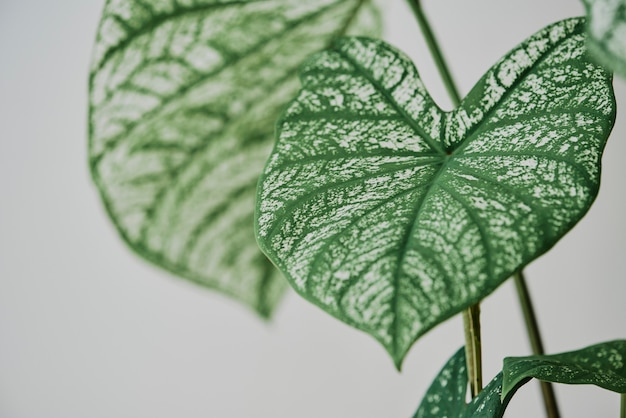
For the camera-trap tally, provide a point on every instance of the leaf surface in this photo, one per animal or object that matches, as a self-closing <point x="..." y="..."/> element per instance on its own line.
<point x="602" y="365"/>
<point x="446" y="395"/>
<point x="488" y="404"/>
<point x="393" y="215"/>
<point x="607" y="32"/>
<point x="183" y="100"/>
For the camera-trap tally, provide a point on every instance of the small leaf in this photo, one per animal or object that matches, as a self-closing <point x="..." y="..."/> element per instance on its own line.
<point x="607" y="32"/>
<point x="603" y="365"/>
<point x="393" y="215"/>
<point x="488" y="404"/>
<point x="183" y="99"/>
<point x="446" y="395"/>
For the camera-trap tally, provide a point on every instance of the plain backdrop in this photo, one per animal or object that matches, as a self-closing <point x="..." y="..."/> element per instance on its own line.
<point x="88" y="330"/>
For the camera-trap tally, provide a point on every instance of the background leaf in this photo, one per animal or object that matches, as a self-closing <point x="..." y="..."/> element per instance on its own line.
<point x="183" y="99"/>
<point x="607" y="32"/>
<point x="603" y="365"/>
<point x="393" y="215"/>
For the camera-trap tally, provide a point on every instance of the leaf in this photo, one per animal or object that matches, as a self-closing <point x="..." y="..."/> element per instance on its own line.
<point x="603" y="365"/>
<point x="393" y="215"/>
<point x="488" y="404"/>
<point x="183" y="99"/>
<point x="446" y="395"/>
<point x="607" y="32"/>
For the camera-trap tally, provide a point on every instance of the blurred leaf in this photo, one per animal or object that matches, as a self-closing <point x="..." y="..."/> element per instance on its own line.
<point x="603" y="365"/>
<point x="607" y="32"/>
<point x="393" y="215"/>
<point x="183" y="100"/>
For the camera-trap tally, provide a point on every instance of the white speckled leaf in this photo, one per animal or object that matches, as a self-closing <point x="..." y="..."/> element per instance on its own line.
<point x="446" y="395"/>
<point x="602" y="365"/>
<point x="183" y="100"/>
<point x="393" y="215"/>
<point x="607" y="32"/>
<point x="488" y="404"/>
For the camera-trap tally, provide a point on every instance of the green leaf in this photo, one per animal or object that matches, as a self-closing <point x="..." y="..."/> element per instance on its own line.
<point x="488" y="404"/>
<point x="446" y="395"/>
<point x="183" y="99"/>
<point x="603" y="365"/>
<point x="393" y="215"/>
<point x="607" y="32"/>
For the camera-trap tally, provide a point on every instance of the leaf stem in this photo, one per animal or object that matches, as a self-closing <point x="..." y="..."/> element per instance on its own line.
<point x="435" y="51"/>
<point x="471" y="316"/>
<point x="536" y="343"/>
<point x="623" y="407"/>
<point x="473" y="348"/>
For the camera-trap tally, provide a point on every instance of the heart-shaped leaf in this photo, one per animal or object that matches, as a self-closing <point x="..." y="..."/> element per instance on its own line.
<point x="183" y="101"/>
<point x="394" y="215"/>
<point x="603" y="365"/>
<point x="607" y="32"/>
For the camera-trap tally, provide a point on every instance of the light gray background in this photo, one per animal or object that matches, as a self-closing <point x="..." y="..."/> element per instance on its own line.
<point x="89" y="330"/>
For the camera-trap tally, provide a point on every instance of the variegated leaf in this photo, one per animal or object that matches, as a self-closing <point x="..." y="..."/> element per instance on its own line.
<point x="183" y="101"/>
<point x="607" y="32"/>
<point x="393" y="215"/>
<point x="446" y="395"/>
<point x="602" y="365"/>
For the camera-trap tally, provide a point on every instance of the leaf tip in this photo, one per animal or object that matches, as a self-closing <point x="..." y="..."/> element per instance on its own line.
<point x="397" y="355"/>
<point x="397" y="362"/>
<point x="264" y="312"/>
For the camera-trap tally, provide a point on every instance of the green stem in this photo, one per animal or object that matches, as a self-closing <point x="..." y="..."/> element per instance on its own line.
<point x="536" y="344"/>
<point x="435" y="51"/>
<point x="473" y="348"/>
<point x="471" y="315"/>
<point x="623" y="408"/>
